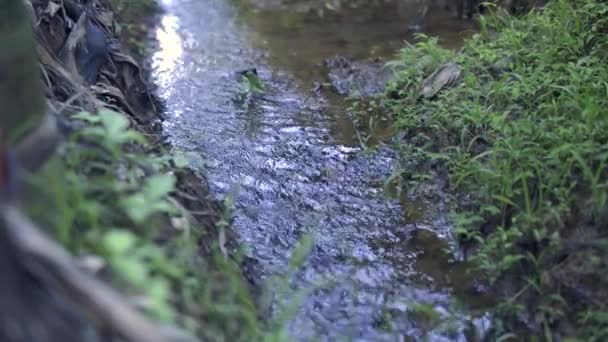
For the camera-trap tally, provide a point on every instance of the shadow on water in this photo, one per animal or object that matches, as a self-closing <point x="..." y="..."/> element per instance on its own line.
<point x="290" y="152"/>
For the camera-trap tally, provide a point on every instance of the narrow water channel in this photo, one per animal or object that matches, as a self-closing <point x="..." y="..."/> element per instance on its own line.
<point x="290" y="159"/>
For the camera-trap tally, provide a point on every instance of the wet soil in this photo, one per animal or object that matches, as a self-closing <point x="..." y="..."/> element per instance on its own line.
<point x="290" y="162"/>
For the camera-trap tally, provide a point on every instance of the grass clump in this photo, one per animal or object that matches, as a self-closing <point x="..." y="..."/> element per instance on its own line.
<point x="524" y="135"/>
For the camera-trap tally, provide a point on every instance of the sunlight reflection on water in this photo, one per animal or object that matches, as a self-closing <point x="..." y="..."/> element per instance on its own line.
<point x="170" y="49"/>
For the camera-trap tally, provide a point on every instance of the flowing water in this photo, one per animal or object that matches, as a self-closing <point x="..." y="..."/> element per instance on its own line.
<point x="291" y="160"/>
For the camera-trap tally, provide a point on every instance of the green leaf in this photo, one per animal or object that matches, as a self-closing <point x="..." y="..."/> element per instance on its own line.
<point x="180" y="161"/>
<point x="158" y="291"/>
<point x="504" y="200"/>
<point x="251" y="83"/>
<point x="86" y="116"/>
<point x="118" y="241"/>
<point x="139" y="206"/>
<point x="114" y="123"/>
<point x="159" y="186"/>
<point x="131" y="270"/>
<point x="136" y="207"/>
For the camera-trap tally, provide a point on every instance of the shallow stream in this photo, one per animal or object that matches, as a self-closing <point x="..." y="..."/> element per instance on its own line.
<point x="291" y="160"/>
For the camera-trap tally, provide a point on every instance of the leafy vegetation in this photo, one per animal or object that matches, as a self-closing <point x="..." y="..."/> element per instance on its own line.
<point x="115" y="209"/>
<point x="523" y="135"/>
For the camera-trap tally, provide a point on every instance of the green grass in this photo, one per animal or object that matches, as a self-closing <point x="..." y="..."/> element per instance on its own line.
<point x="524" y="136"/>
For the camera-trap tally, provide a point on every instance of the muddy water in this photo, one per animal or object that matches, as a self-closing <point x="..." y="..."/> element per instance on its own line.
<point x="289" y="159"/>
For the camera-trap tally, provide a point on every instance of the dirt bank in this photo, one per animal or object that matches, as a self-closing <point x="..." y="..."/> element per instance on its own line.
<point x="116" y="197"/>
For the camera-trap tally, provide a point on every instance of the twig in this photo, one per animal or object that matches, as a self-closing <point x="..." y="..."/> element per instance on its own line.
<point x="92" y="295"/>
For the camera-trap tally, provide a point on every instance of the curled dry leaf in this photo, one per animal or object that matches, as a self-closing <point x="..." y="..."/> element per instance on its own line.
<point x="445" y="76"/>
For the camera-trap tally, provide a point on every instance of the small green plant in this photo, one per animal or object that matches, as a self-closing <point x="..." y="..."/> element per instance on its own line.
<point x="251" y="83"/>
<point x="425" y="314"/>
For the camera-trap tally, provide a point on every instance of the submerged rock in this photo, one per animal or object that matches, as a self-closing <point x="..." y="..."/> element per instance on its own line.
<point x="357" y="77"/>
